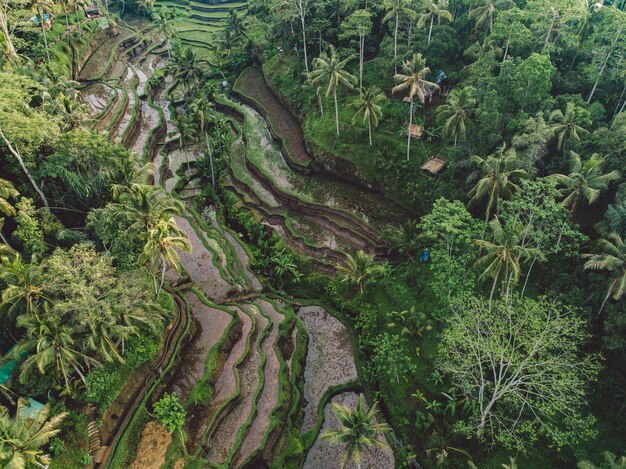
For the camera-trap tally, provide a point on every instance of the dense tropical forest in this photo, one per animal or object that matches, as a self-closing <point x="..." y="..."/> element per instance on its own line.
<point x="312" y="234"/>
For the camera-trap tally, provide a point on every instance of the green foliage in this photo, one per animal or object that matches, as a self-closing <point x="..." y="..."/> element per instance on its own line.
<point x="538" y="389"/>
<point x="170" y="412"/>
<point x="29" y="231"/>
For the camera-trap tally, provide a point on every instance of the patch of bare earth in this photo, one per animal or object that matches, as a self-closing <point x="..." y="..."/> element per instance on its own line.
<point x="329" y="360"/>
<point x="155" y="439"/>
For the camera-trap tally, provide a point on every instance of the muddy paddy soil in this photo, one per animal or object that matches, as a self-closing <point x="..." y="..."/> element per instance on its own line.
<point x="329" y="360"/>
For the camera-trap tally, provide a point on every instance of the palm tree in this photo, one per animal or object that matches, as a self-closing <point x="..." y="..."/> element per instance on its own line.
<point x="161" y="248"/>
<point x="435" y="9"/>
<point x="188" y="68"/>
<point x="612" y="462"/>
<point x="413" y="80"/>
<point x="585" y="180"/>
<point x="163" y="18"/>
<point x="395" y="9"/>
<point x="50" y="344"/>
<point x="485" y="13"/>
<point x="456" y="114"/>
<point x="497" y="176"/>
<point x="359" y="430"/>
<point x="7" y="191"/>
<point x="185" y="131"/>
<point x="235" y="25"/>
<point x="42" y="8"/>
<point x="368" y="106"/>
<point x="502" y="255"/>
<point x="329" y="69"/>
<point x="143" y="206"/>
<point x="569" y="125"/>
<point x="359" y="268"/>
<point x="201" y="113"/>
<point x="22" y="437"/>
<point x="610" y="256"/>
<point x="24" y="287"/>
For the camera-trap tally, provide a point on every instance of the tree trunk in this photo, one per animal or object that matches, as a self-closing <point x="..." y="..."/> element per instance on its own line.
<point x="619" y="101"/>
<point x="395" y="45"/>
<point x="163" y="265"/>
<point x="369" y="128"/>
<point x="606" y="297"/>
<point x="362" y="46"/>
<point x="208" y="146"/>
<point x="430" y="30"/>
<point x="551" y="28"/>
<point x="17" y="156"/>
<point x="80" y="27"/>
<point x="532" y="264"/>
<point x="493" y="289"/>
<point x="408" y="142"/>
<point x="336" y="110"/>
<point x="303" y="22"/>
<point x="4" y="240"/>
<point x="45" y="37"/>
<point x="506" y="49"/>
<point x="606" y="61"/>
<point x="319" y="102"/>
<point x="4" y="28"/>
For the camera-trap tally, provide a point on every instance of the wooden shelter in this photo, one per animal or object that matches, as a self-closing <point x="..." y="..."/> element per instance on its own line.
<point x="434" y="164"/>
<point x="416" y="131"/>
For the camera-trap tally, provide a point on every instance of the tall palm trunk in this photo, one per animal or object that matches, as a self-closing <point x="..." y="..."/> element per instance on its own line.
<point x="208" y="146"/>
<point x="369" y="128"/>
<point x="336" y="110"/>
<point x="606" y="298"/>
<point x="17" y="156"/>
<point x="45" y="36"/>
<point x="4" y="29"/>
<point x="158" y="292"/>
<point x="430" y="30"/>
<point x="303" y="23"/>
<point x="408" y="141"/>
<point x="395" y="44"/>
<point x="80" y="26"/>
<point x="493" y="288"/>
<point x="532" y="264"/>
<point x="604" y="64"/>
<point x="362" y="46"/>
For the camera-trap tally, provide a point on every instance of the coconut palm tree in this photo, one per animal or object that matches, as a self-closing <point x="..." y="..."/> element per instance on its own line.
<point x="569" y="124"/>
<point x="434" y="9"/>
<point x="328" y="69"/>
<point x="359" y="430"/>
<point x="24" y="287"/>
<point x="188" y="69"/>
<point x="413" y="81"/>
<point x="610" y="256"/>
<point x="502" y="256"/>
<point x="23" y="436"/>
<point x="50" y="345"/>
<point x="585" y="180"/>
<point x="497" y="177"/>
<point x="396" y="9"/>
<point x="456" y="114"/>
<point x="143" y="206"/>
<point x="185" y="131"/>
<point x="234" y="25"/>
<point x="163" y="18"/>
<point x="368" y="107"/>
<point x="161" y="248"/>
<point x="612" y="462"/>
<point x="487" y="10"/>
<point x="359" y="268"/>
<point x="41" y="8"/>
<point x="201" y="111"/>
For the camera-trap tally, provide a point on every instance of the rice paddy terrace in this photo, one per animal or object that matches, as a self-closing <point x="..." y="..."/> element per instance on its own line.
<point x="198" y="20"/>
<point x="254" y="367"/>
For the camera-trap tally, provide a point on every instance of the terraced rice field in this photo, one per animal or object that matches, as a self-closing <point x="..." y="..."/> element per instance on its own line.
<point x="199" y="21"/>
<point x="235" y="372"/>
